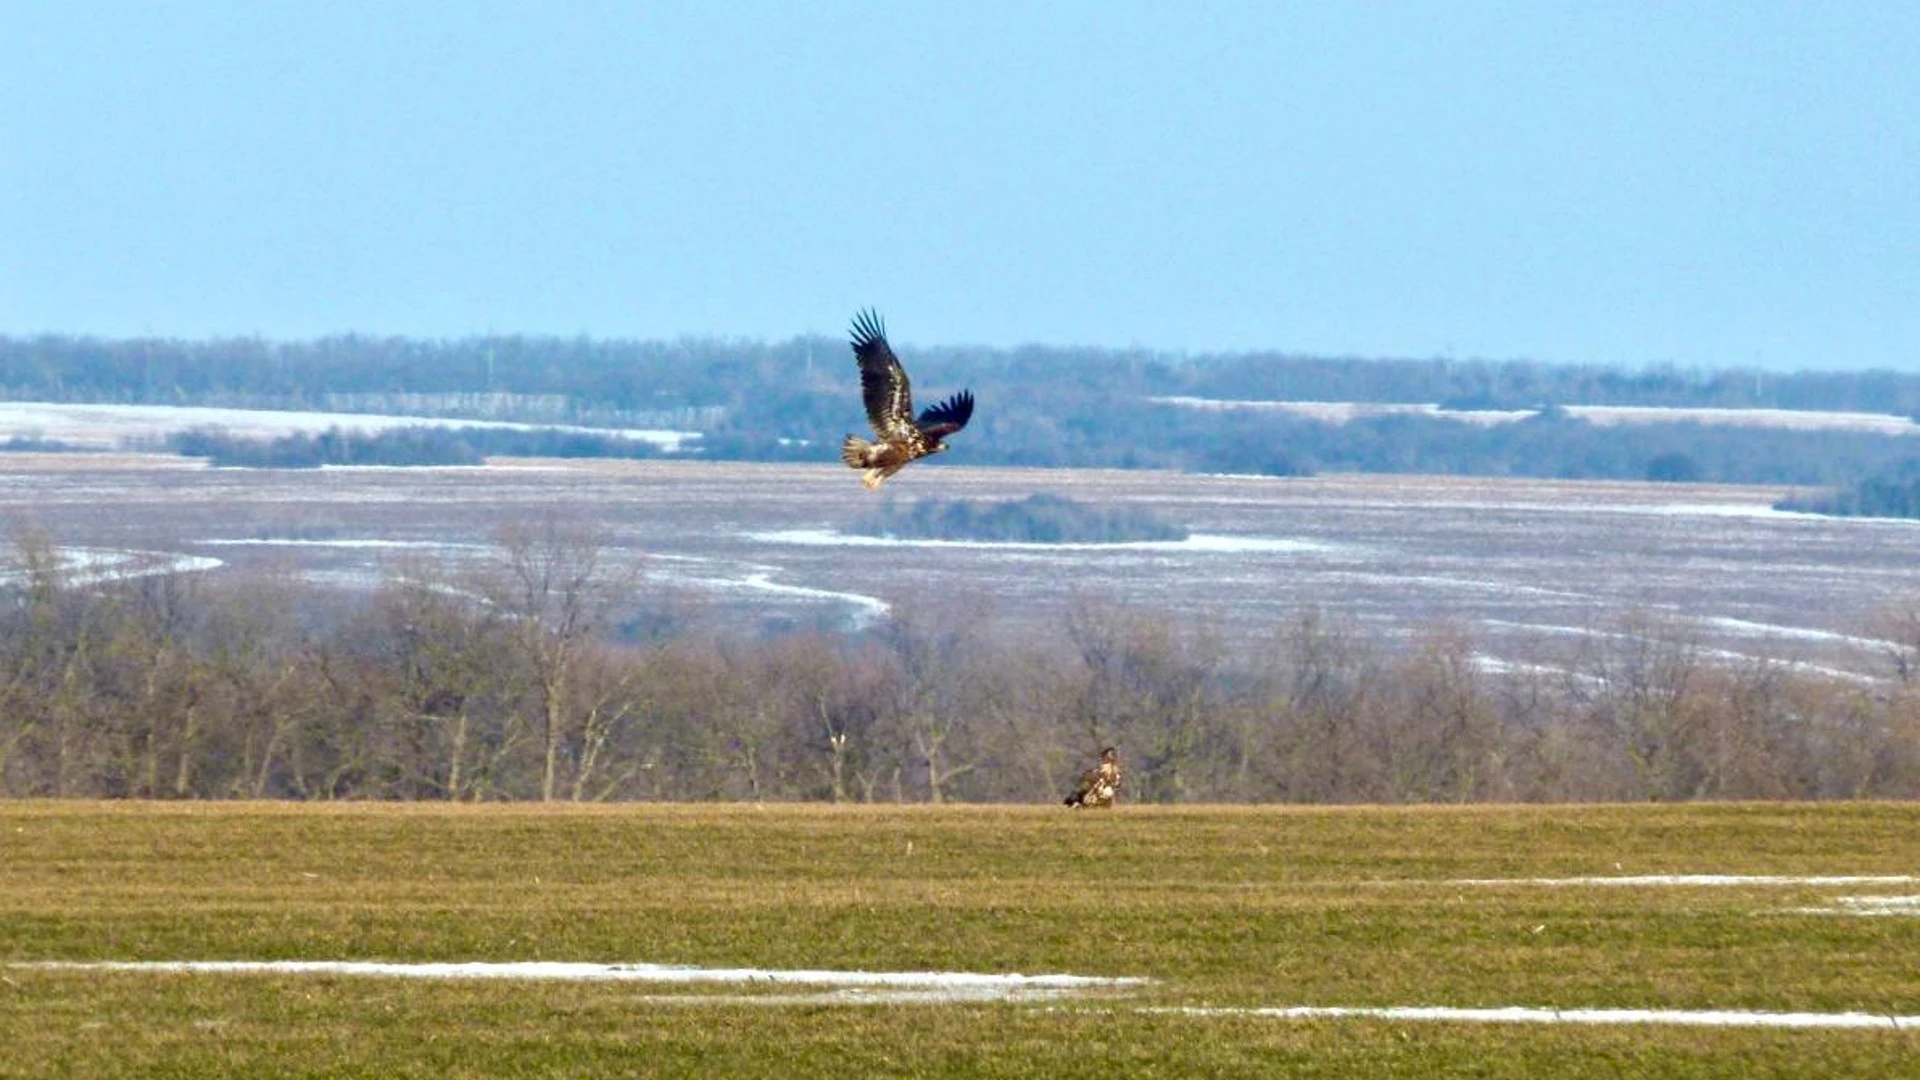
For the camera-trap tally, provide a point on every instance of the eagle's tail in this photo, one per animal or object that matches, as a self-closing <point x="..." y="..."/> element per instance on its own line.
<point x="858" y="454"/>
<point x="854" y="451"/>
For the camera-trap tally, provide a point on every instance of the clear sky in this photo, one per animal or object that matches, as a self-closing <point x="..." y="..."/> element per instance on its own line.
<point x="1705" y="184"/>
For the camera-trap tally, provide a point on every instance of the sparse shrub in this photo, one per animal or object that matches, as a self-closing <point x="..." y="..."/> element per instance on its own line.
<point x="1673" y="468"/>
<point x="1894" y="493"/>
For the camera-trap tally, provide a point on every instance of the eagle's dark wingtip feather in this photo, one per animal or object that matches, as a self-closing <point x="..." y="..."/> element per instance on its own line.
<point x="868" y="328"/>
<point x="948" y="416"/>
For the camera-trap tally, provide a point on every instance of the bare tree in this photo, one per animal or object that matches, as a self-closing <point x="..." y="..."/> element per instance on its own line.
<point x="1323" y="679"/>
<point x="932" y="700"/>
<point x="1634" y="699"/>
<point x="555" y="585"/>
<point x="1445" y="743"/>
<point x="1898" y="627"/>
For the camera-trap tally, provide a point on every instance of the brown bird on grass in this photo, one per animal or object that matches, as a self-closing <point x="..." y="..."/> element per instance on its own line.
<point x="1099" y="784"/>
<point x="883" y="384"/>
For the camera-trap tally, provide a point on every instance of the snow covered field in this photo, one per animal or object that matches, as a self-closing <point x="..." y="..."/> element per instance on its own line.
<point x="1341" y="412"/>
<point x="1533" y="570"/>
<point x="110" y="427"/>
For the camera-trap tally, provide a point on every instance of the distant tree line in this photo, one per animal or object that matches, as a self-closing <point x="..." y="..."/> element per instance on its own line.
<point x="533" y="674"/>
<point x="1894" y="493"/>
<point x="691" y="373"/>
<point x="36" y="445"/>
<point x="1040" y="518"/>
<point x="413" y="445"/>
<point x="790" y="401"/>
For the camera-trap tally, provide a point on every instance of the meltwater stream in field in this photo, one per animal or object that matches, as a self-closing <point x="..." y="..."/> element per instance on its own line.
<point x="1532" y="571"/>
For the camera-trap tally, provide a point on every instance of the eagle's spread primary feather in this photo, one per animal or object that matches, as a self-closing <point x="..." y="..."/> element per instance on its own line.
<point x="900" y="437"/>
<point x="1099" y="784"/>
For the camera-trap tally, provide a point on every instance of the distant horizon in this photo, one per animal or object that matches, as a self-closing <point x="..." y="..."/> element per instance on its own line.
<point x="909" y="346"/>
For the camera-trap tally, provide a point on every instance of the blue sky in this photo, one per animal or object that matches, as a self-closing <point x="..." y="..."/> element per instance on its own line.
<point x="1705" y="184"/>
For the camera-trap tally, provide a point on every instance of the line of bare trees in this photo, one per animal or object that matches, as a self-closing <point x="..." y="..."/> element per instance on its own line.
<point x="506" y="680"/>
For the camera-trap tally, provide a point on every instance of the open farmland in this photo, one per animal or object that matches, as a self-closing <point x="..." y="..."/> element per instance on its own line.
<point x="1528" y="568"/>
<point x="1341" y="412"/>
<point x="111" y="427"/>
<point x="1726" y="940"/>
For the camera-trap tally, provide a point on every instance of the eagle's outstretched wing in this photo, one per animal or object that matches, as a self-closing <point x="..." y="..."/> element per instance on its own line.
<point x="883" y="382"/>
<point x="942" y="420"/>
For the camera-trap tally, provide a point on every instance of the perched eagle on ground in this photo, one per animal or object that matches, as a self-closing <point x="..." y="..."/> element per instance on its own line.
<point x="883" y="383"/>
<point x="1098" y="784"/>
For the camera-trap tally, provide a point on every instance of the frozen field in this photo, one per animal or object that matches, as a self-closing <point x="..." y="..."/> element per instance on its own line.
<point x="1341" y="412"/>
<point x="114" y="427"/>
<point x="1525" y="566"/>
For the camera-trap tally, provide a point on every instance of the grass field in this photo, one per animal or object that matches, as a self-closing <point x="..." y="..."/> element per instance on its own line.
<point x="1225" y="910"/>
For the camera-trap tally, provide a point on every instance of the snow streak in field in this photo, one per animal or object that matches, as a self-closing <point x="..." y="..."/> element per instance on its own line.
<point x="1865" y="905"/>
<point x="928" y="986"/>
<point x="1222" y="545"/>
<point x="1748" y="628"/>
<point x="1742" y="628"/>
<point x="946" y="988"/>
<point x="1698" y="880"/>
<point x="1516" y="1014"/>
<point x="760" y="578"/>
<point x="87" y="566"/>
<point x="363" y="543"/>
<point x="869" y="607"/>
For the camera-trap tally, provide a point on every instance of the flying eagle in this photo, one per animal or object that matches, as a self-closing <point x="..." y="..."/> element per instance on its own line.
<point x="1098" y="784"/>
<point x="883" y="383"/>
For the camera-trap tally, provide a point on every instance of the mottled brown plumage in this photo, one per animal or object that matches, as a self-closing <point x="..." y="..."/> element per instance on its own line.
<point x="1099" y="784"/>
<point x="900" y="437"/>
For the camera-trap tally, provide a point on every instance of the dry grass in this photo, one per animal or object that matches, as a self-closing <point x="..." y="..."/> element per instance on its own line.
<point x="1222" y="906"/>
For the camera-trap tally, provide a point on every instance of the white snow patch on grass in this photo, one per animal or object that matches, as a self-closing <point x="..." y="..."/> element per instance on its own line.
<point x="1694" y="880"/>
<point x="952" y="987"/>
<point x="1516" y="1014"/>
<point x="874" y="987"/>
<point x="1865" y="905"/>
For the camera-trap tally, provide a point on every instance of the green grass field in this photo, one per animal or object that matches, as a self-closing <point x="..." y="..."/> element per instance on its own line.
<point x="1227" y="908"/>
